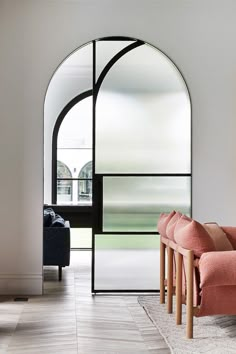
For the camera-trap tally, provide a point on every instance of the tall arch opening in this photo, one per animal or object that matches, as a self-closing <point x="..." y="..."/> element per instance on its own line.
<point x="124" y="105"/>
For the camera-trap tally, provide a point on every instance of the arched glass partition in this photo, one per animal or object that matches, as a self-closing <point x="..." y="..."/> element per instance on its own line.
<point x="129" y="136"/>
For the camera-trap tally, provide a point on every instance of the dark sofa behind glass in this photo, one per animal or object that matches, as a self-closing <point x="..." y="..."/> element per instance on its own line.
<point x="56" y="243"/>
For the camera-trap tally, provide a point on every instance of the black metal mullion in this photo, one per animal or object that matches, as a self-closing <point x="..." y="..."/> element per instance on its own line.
<point x="73" y="179"/>
<point x="126" y="291"/>
<point x="116" y="38"/>
<point x="130" y="233"/>
<point x="146" y="175"/>
<point x="93" y="167"/>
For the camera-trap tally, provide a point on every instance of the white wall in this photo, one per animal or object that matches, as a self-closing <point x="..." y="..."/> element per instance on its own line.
<point x="35" y="36"/>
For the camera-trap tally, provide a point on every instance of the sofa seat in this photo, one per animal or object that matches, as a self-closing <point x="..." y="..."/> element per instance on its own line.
<point x="217" y="268"/>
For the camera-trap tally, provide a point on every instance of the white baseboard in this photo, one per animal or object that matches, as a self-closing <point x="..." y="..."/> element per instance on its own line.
<point x="21" y="284"/>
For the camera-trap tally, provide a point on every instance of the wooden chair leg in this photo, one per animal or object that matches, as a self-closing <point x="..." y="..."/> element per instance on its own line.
<point x="170" y="281"/>
<point x="59" y="273"/>
<point x="189" y="332"/>
<point x="162" y="272"/>
<point x="179" y="288"/>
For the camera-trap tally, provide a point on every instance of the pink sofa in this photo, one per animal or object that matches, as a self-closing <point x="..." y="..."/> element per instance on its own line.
<point x="201" y="268"/>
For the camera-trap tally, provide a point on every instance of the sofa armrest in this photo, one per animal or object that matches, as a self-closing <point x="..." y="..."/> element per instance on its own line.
<point x="56" y="245"/>
<point x="217" y="268"/>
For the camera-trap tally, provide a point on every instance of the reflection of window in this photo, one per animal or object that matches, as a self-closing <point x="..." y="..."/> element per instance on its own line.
<point x="64" y="183"/>
<point x="85" y="183"/>
<point x="74" y="148"/>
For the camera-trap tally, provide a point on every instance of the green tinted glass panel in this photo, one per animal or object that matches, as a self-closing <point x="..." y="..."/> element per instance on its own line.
<point x="135" y="203"/>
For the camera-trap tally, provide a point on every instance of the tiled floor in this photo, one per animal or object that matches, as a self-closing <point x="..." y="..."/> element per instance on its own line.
<point x="69" y="320"/>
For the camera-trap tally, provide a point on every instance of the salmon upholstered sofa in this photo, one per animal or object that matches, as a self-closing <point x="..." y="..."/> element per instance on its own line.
<point x="201" y="267"/>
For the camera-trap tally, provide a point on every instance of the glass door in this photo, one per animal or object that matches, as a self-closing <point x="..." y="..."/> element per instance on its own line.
<point x="141" y="160"/>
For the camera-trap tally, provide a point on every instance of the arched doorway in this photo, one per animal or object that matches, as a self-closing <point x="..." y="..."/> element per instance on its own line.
<point x="139" y="110"/>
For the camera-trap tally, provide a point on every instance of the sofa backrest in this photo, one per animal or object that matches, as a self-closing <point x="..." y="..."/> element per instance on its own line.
<point x="190" y="234"/>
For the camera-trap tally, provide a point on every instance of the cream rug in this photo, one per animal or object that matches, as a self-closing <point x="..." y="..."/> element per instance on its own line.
<point x="212" y="334"/>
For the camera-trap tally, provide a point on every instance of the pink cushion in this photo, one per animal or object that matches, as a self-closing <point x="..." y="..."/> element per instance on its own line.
<point x="163" y="221"/>
<point x="231" y="234"/>
<point x="191" y="234"/>
<point x="171" y="225"/>
<point x="218" y="268"/>
<point x="218" y="236"/>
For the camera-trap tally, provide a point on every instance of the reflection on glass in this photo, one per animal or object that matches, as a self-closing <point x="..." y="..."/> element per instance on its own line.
<point x="126" y="262"/>
<point x="143" y="116"/>
<point x="85" y="183"/>
<point x="64" y="187"/>
<point x="135" y="203"/>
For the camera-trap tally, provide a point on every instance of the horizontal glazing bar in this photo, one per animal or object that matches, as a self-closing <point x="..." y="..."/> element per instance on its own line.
<point x="74" y="179"/>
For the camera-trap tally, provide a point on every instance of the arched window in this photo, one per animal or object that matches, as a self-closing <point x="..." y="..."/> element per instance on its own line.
<point x="85" y="183"/>
<point x="64" y="183"/>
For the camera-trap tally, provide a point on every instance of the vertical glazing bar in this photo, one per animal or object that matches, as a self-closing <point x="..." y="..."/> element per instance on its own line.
<point x="162" y="272"/>
<point x="93" y="167"/>
<point x="179" y="288"/>
<point x="170" y="281"/>
<point x="190" y="295"/>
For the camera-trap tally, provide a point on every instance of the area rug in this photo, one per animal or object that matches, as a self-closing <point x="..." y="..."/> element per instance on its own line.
<point x="212" y="334"/>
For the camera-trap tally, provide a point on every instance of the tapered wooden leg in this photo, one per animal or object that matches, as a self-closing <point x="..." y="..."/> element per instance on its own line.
<point x="189" y="333"/>
<point x="170" y="281"/>
<point x="179" y="259"/>
<point x="162" y="272"/>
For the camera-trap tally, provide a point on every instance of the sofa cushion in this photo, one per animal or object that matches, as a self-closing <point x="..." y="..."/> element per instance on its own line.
<point x="58" y="221"/>
<point x="218" y="236"/>
<point x="163" y="221"/>
<point x="231" y="234"/>
<point x="171" y="225"/>
<point x="48" y="217"/>
<point x="191" y="235"/>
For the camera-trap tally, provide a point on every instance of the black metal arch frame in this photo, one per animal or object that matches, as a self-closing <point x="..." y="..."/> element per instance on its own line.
<point x="96" y="209"/>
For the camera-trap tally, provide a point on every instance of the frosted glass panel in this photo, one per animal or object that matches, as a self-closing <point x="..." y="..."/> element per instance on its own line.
<point x="126" y="262"/>
<point x="143" y="120"/>
<point x="73" y="77"/>
<point x="135" y="203"/>
<point x="105" y="51"/>
<point x="76" y="128"/>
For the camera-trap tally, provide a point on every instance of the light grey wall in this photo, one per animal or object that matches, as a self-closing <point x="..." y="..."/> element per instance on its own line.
<point x="35" y="36"/>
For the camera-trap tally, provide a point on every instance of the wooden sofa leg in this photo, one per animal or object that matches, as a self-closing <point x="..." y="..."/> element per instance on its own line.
<point x="59" y="273"/>
<point x="170" y="281"/>
<point x="179" y="289"/>
<point x="189" y="332"/>
<point x="162" y="272"/>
